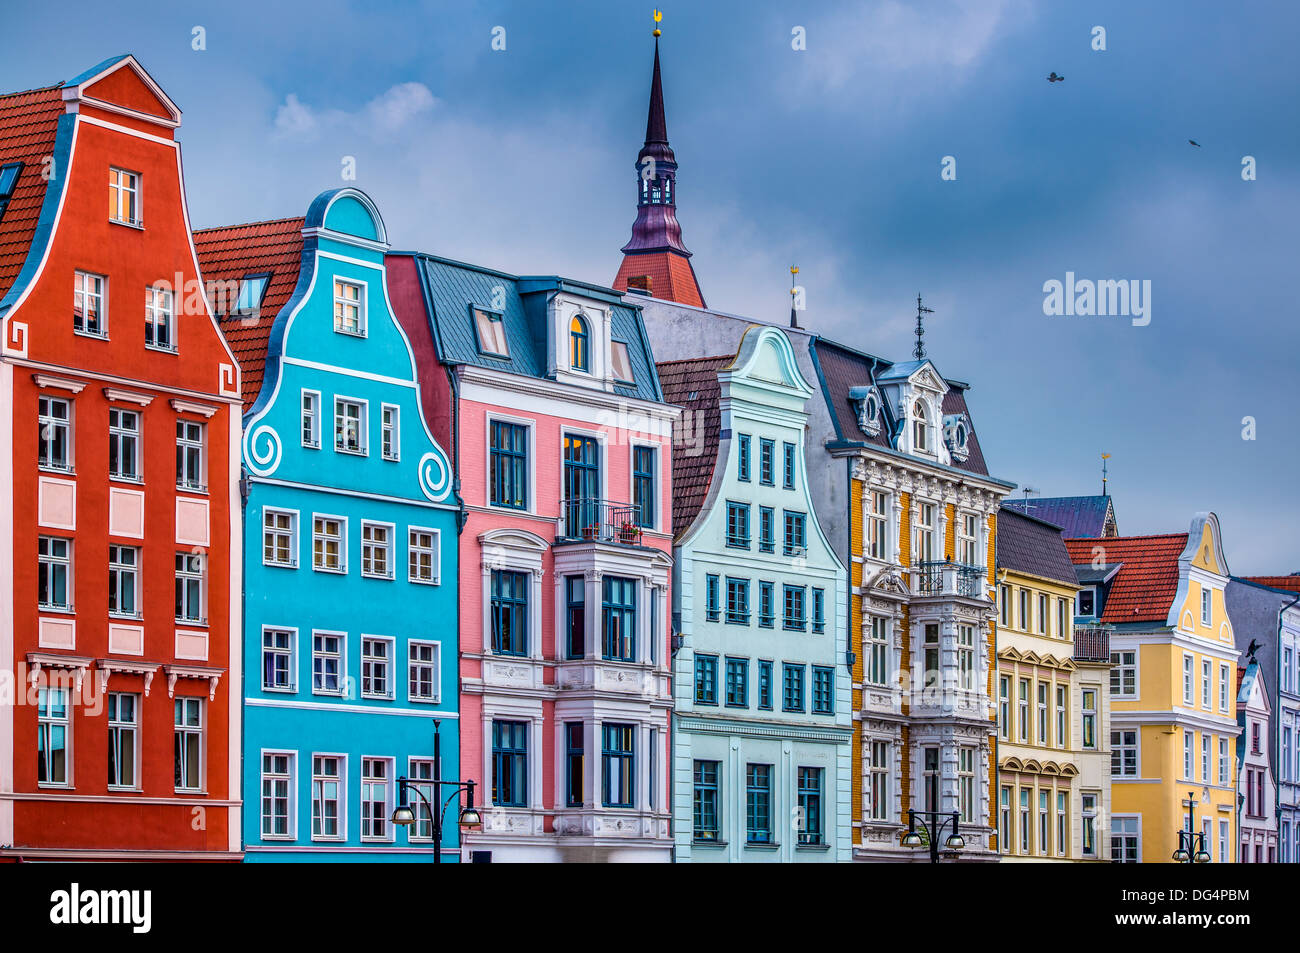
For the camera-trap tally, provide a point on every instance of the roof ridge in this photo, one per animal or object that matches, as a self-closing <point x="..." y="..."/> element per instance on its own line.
<point x="1093" y="539"/>
<point x="28" y="92"/>
<point x="268" y="221"/>
<point x="691" y="360"/>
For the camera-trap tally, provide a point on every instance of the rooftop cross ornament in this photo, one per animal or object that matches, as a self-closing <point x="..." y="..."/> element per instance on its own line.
<point x="918" y="352"/>
<point x="658" y="16"/>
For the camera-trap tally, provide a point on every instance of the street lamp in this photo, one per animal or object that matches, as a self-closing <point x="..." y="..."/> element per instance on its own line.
<point x="1191" y="844"/>
<point x="468" y="818"/>
<point x="933" y="824"/>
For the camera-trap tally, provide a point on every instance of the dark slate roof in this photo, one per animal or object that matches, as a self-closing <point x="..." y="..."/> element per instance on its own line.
<point x="1143" y="589"/>
<point x="1029" y="545"/>
<point x="693" y="385"/>
<point x="1078" y="516"/>
<point x="452" y="287"/>
<point x="29" y="124"/>
<point x="842" y="368"/>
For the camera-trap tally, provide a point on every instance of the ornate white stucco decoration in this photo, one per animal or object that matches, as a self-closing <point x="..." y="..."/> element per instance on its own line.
<point x="264" y="450"/>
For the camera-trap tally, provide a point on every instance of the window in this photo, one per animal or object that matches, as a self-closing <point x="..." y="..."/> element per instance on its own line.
<point x="705" y="806"/>
<point x="1004" y="827"/>
<point x="1223" y="757"/>
<point x="124" y="445"/>
<point x="8" y="182"/>
<point x="877" y="652"/>
<point x="644" y="469"/>
<point x="390" y="432"/>
<point x="124" y="581"/>
<point x="823" y="690"/>
<point x="742" y="458"/>
<point x="423" y="562"/>
<point x="490" y="326"/>
<point x="737" y="601"/>
<point x="787" y="468"/>
<point x="794" y="615"/>
<point x="758" y="803"/>
<point x="765" y="685"/>
<point x="1205" y="757"/>
<point x="1004" y="706"/>
<point x="329" y="544"/>
<point x="968" y="540"/>
<point x="251" y="291"/>
<point x="792" y="687"/>
<point x="819" y="610"/>
<point x="327" y="663"/>
<point x="124" y="197"/>
<point x="878" y="770"/>
<point x="738" y="525"/>
<point x="795" y="542"/>
<point x="1062" y="629"/>
<point x="1044" y="846"/>
<point x="423" y="671"/>
<point x="188" y="731"/>
<point x="89" y="306"/>
<point x="279" y="538"/>
<point x="766" y="605"/>
<point x="376" y="775"/>
<point x="1205" y="605"/>
<point x="618" y="765"/>
<point x="349" y="425"/>
<point x="1089" y="711"/>
<point x="376" y="668"/>
<point x="1123" y="674"/>
<point x="766" y="462"/>
<point x="1223" y="844"/>
<point x="326" y="797"/>
<point x="1187" y="755"/>
<point x="277" y="659"/>
<point x="1286" y="674"/>
<point x="1062" y="824"/>
<point x="1254" y="737"/>
<point x="54" y="434"/>
<point x="190" y="583"/>
<point x="737" y="684"/>
<point x="123" y="739"/>
<point x="810" y="806"/>
<point x="1205" y="683"/>
<point x="1043" y="738"/>
<point x="159" y="319"/>
<point x="619" y="618"/>
<point x="766" y="529"/>
<point x="510" y="763"/>
<point x="712" y="598"/>
<point x="277" y="795"/>
<point x="582" y="484"/>
<point x="966" y="657"/>
<point x="1286" y="755"/>
<point x="1026" y="832"/>
<point x="311" y="419"/>
<point x="190" y="471"/>
<point x="579" y="345"/>
<point x="1088" y="824"/>
<point x="1062" y="737"/>
<point x="930" y="769"/>
<point x="621" y="360"/>
<point x="706" y="679"/>
<point x="54" y="579"/>
<point x="376" y="550"/>
<point x="53" y="736"/>
<point x="1223" y="682"/>
<point x="1085" y="603"/>
<point x="924" y="549"/>
<point x="509" y="612"/>
<point x="349" y="308"/>
<point x="574" y="756"/>
<point x="1042" y="614"/>
<point x="1187" y="680"/>
<point x="1024" y="710"/>
<point x="575" y="617"/>
<point x="877" y="525"/>
<point x="1024" y="609"/>
<point x="920" y="428"/>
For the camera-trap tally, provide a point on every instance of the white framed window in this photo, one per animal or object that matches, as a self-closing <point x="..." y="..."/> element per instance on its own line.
<point x="877" y="652"/>
<point x="54" y="434"/>
<point x="124" y="445"/>
<point x="1025" y="621"/>
<point x="920" y="427"/>
<point x="311" y="419"/>
<point x="621" y="362"/>
<point x="490" y="327"/>
<point x="1004" y="707"/>
<point x="966" y="657"/>
<point x="1123" y="674"/>
<point x="1062" y="627"/>
<point x="124" y="197"/>
<point x="968" y="540"/>
<point x="1205" y="757"/>
<point x="53" y="737"/>
<point x="376" y="667"/>
<point x="349" y="307"/>
<point x="1188" y="742"/>
<point x="1126" y="839"/>
<point x="1044" y="822"/>
<point x="160" y="319"/>
<point x="1223" y="842"/>
<point x="1088" y="824"/>
<point x="1042" y="613"/>
<point x="90" y="304"/>
<point x="390" y="432"/>
<point x="1061" y="719"/>
<point x="1223" y="686"/>
<point x="328" y="797"/>
<point x="54" y="573"/>
<point x="1062" y="823"/>
<point x="924" y="534"/>
<point x="376" y="796"/>
<point x="1188" y="691"/>
<point x="966" y="784"/>
<point x="424" y="672"/>
<point x="1124" y="753"/>
<point x="279" y="537"/>
<point x="328" y="661"/>
<point x="1043" y="720"/>
<point x="191" y="465"/>
<point x="277" y="795"/>
<point x="279" y="659"/>
<point x="191" y="583"/>
<point x="377" y="550"/>
<point x="1089" y="718"/>
<point x="188" y="746"/>
<point x="1205" y="683"/>
<point x="1023" y="705"/>
<point x="329" y="543"/>
<point x="123" y="741"/>
<point x="424" y="560"/>
<point x="419" y="771"/>
<point x="1004" y="605"/>
<point x="1223" y="760"/>
<point x="350" y="425"/>
<point x="124" y="582"/>
<point x="878" y="525"/>
<point x="1206" y="600"/>
<point x="878" y="807"/>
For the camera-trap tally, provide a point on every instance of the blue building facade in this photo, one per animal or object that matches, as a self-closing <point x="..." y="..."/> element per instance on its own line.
<point x="351" y="527"/>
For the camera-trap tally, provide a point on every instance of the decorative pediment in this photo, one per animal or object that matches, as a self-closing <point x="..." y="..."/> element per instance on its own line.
<point x="889" y="581"/>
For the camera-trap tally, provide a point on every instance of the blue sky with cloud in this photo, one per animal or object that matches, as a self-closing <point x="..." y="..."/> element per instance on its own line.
<point x="828" y="158"/>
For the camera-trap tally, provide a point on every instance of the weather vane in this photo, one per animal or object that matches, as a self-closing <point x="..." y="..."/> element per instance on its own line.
<point x="658" y="16"/>
<point x="919" y="351"/>
<point x="1104" y="458"/>
<point x="794" y="296"/>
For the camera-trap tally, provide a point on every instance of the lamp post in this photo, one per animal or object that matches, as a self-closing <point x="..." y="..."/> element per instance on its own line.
<point x="1191" y="844"/>
<point x="469" y="817"/>
<point x="933" y="824"/>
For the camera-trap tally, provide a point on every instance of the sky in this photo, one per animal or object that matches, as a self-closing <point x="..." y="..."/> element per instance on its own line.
<point x="829" y="157"/>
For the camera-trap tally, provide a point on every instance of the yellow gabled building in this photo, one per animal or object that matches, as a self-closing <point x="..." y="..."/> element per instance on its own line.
<point x="1173" y="719"/>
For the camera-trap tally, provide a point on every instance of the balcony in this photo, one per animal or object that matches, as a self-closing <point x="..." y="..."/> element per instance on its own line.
<point x="949" y="578"/>
<point x="600" y="521"/>
<point x="1092" y="643"/>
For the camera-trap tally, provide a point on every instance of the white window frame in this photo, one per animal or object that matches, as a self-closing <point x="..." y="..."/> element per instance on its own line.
<point x="276" y="532"/>
<point x="133" y="568"/>
<point x="341" y="779"/>
<point x="125" y="182"/>
<point x="1207" y="605"/>
<point x="1189" y="755"/>
<point x="1206" y="682"/>
<point x="310" y="418"/>
<point x="46" y="723"/>
<point x="160" y="312"/>
<point x="1224" y="774"/>
<point x="69" y="605"/>
<point x="435" y="555"/>
<point x="201" y="575"/>
<point x="1119" y="669"/>
<point x="292" y="653"/>
<point x="370" y="548"/>
<point x="436" y="664"/>
<point x="363" y="293"/>
<point x="416" y="767"/>
<point x="188" y="444"/>
<point x="968" y="529"/>
<point x="48" y="420"/>
<point x="1062" y="708"/>
<point x="363" y="425"/>
<point x="1189" y="692"/>
<point x="342" y="538"/>
<point x="877" y="536"/>
<point x="1205" y="757"/>
<point x="120" y="434"/>
<point x="1121" y="747"/>
<point x="82" y="283"/>
<point x="201" y="731"/>
<point x="1223" y="687"/>
<point x="880" y="771"/>
<point x="924" y="537"/>
<point x="390" y="433"/>
<point x="388" y="660"/>
<point x="388" y="782"/>
<point x="341" y="655"/>
<point x="967" y="790"/>
<point x="288" y="776"/>
<point x="1125" y="818"/>
<point x="117" y="725"/>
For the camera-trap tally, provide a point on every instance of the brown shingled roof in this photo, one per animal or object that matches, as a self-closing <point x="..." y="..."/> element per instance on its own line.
<point x="28" y="125"/>
<point x="693" y="385"/>
<point x="233" y="251"/>
<point x="1143" y="590"/>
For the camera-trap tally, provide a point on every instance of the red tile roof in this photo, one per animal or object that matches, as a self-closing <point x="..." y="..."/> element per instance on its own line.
<point x="229" y="253"/>
<point x="28" y="124"/>
<point x="1290" y="583"/>
<point x="693" y="385"/>
<point x="672" y="278"/>
<point x="1144" y="588"/>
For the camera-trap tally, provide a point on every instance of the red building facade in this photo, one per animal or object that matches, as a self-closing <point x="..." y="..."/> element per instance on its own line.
<point x="119" y="482"/>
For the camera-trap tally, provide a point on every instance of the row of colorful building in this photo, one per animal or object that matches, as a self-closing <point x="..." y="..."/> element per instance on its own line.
<point x="304" y="527"/>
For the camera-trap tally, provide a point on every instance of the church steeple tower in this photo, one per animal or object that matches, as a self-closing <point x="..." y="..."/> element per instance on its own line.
<point x="656" y="259"/>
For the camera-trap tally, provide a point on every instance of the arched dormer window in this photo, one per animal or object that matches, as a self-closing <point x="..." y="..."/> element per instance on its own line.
<point x="920" y="427"/>
<point x="579" y="345"/>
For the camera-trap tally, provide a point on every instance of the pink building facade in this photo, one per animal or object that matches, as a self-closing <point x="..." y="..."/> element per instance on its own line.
<point x="547" y="392"/>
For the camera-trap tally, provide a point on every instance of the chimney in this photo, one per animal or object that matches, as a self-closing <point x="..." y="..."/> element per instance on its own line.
<point x="640" y="283"/>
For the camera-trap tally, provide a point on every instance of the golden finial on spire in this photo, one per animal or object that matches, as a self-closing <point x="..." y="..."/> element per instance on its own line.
<point x="658" y="16"/>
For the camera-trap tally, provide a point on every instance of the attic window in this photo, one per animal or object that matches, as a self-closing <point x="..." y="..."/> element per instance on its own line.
<point x="251" y="291"/>
<point x="491" y="329"/>
<point x="920" y="428"/>
<point x="622" y="362"/>
<point x="124" y="197"/>
<point x="8" y="181"/>
<point x="1085" y="603"/>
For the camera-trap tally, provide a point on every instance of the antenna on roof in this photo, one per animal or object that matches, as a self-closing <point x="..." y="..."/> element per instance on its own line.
<point x="918" y="352"/>
<point x="794" y="296"/>
<point x="1104" y="458"/>
<point x="1029" y="489"/>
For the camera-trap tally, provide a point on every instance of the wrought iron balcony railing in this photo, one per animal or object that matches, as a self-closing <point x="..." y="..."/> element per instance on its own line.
<point x="602" y="521"/>
<point x="1092" y="643"/>
<point x="947" y="578"/>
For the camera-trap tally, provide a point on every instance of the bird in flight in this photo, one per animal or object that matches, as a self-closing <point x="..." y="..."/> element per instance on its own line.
<point x="1195" y="143"/>
<point x="1055" y="79"/>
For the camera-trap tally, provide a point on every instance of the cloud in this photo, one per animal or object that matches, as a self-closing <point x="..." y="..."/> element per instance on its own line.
<point x="387" y="113"/>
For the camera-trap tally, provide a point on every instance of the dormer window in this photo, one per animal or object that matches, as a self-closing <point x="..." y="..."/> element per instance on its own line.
<point x="8" y="182"/>
<point x="124" y="197"/>
<point x="579" y="345"/>
<point x="622" y="363"/>
<point x="491" y="329"/>
<point x="956" y="434"/>
<point x="1085" y="603"/>
<point x="920" y="428"/>
<point x="251" y="291"/>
